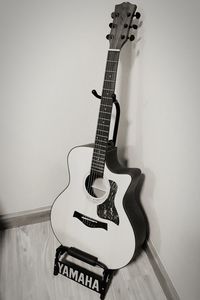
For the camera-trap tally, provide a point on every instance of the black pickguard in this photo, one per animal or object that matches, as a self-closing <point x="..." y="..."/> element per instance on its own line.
<point x="107" y="209"/>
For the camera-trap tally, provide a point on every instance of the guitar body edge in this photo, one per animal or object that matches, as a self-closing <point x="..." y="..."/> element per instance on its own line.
<point x="115" y="246"/>
<point x="131" y="200"/>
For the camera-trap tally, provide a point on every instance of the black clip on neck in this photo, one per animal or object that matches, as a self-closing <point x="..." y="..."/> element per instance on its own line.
<point x="115" y="131"/>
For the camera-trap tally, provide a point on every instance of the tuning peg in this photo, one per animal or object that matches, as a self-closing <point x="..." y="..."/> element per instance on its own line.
<point x="114" y="14"/>
<point x="132" y="37"/>
<point x="137" y="15"/>
<point x="109" y="36"/>
<point x="134" y="26"/>
<point x="112" y="25"/>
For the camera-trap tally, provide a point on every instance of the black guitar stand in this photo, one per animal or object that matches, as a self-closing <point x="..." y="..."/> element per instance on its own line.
<point x="117" y="106"/>
<point x="83" y="276"/>
<point x="69" y="269"/>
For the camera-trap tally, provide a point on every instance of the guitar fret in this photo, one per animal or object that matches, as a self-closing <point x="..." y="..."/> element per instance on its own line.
<point x="106" y="117"/>
<point x="96" y="166"/>
<point x="101" y="131"/>
<point x="115" y="61"/>
<point x="103" y="119"/>
<point x="102" y="134"/>
<point x="106" y="107"/>
<point x="109" y="105"/>
<point x="101" y="146"/>
<point x="103" y="140"/>
<point x="105" y="112"/>
<point x="99" y="163"/>
<point x="97" y="170"/>
<point x="104" y="97"/>
<point x="109" y="80"/>
<point x="100" y="154"/>
<point x="104" y="125"/>
<point x="98" y="158"/>
<point x="108" y="92"/>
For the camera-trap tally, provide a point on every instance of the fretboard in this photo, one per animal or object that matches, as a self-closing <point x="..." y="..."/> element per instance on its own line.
<point x="105" y="112"/>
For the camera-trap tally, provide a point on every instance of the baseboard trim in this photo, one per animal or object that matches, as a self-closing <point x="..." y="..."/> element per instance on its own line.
<point x="25" y="217"/>
<point x="161" y="274"/>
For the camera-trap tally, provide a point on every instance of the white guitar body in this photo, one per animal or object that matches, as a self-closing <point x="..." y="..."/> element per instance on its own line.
<point x="114" y="246"/>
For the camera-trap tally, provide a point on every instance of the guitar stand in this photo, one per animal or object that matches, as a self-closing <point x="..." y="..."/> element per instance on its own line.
<point x="81" y="275"/>
<point x="69" y="269"/>
<point x="117" y="106"/>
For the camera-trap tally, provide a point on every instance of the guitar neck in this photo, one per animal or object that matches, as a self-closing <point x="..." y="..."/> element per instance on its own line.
<point x="105" y="112"/>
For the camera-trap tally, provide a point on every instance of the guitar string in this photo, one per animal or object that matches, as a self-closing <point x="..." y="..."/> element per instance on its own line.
<point x="111" y="69"/>
<point x="94" y="174"/>
<point x="112" y="63"/>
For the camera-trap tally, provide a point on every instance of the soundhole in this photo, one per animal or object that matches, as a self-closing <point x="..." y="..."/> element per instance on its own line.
<point x="96" y="187"/>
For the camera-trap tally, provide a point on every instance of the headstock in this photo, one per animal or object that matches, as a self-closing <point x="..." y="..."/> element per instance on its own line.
<point x="122" y="22"/>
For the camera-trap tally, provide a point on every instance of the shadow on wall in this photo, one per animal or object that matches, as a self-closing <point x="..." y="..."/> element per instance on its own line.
<point x="2" y="230"/>
<point x="127" y="60"/>
<point x="128" y="57"/>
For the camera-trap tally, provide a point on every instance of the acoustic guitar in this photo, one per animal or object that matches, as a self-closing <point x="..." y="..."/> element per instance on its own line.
<point x="99" y="211"/>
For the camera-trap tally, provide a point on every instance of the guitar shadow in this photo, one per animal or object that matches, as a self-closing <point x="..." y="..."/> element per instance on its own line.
<point x="2" y="236"/>
<point x="128" y="56"/>
<point x="133" y="149"/>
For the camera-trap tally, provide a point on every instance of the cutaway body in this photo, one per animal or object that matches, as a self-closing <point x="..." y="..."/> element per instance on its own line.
<point x="111" y="226"/>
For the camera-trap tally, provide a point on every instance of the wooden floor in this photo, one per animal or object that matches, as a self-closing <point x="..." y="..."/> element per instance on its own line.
<point x="26" y="271"/>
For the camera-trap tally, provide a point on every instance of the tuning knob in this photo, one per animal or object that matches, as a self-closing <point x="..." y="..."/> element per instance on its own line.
<point x="137" y="15"/>
<point x="132" y="37"/>
<point x="112" y="25"/>
<point x="134" y="26"/>
<point x="114" y="14"/>
<point x="109" y="36"/>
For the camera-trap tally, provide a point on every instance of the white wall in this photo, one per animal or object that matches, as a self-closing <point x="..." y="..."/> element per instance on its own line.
<point x="52" y="54"/>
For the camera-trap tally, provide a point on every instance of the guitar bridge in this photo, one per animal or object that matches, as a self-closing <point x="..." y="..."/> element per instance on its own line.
<point x="89" y="221"/>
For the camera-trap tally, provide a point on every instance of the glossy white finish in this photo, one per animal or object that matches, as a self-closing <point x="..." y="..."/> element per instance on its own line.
<point x="115" y="246"/>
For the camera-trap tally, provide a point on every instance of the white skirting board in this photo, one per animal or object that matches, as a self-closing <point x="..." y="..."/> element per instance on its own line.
<point x="25" y="217"/>
<point x="161" y="274"/>
<point x="43" y="214"/>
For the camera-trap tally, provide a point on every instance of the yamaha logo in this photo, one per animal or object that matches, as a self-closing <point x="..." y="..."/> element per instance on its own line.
<point x="78" y="276"/>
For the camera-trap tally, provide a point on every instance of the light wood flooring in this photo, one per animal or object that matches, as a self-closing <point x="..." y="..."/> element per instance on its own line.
<point x="26" y="271"/>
